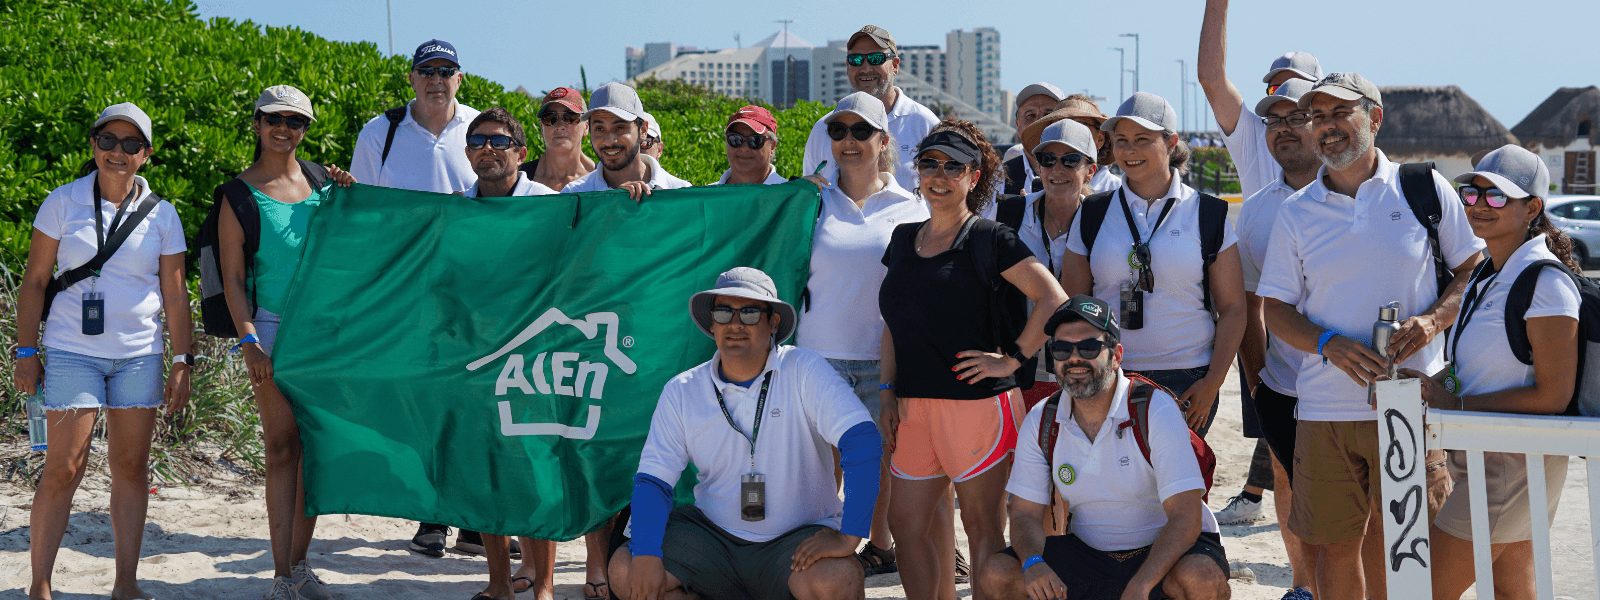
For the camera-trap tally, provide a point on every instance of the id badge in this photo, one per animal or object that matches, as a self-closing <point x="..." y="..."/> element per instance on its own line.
<point x="1132" y="307"/>
<point x="94" y="313"/>
<point x="753" y="497"/>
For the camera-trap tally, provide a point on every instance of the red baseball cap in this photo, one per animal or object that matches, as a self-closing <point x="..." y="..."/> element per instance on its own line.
<point x="567" y="97"/>
<point x="758" y="119"/>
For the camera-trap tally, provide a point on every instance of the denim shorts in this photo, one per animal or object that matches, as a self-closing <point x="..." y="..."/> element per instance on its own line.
<point x="266" y="329"/>
<point x="1179" y="381"/>
<point x="74" y="380"/>
<point x="862" y="375"/>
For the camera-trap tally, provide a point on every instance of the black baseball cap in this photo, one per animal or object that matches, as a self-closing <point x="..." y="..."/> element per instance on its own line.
<point x="1090" y="309"/>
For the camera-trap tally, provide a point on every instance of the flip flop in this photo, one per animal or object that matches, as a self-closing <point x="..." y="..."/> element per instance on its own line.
<point x="598" y="593"/>
<point x="517" y="590"/>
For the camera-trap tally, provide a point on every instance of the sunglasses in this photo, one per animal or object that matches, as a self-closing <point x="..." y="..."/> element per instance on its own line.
<point x="1139" y="260"/>
<point x="1061" y="350"/>
<point x="1294" y="121"/>
<point x="753" y="142"/>
<point x="440" y="72"/>
<point x="649" y="141"/>
<point x="1471" y="194"/>
<point x="293" y="121"/>
<point x="928" y="167"/>
<point x="130" y="145"/>
<point x="860" y="131"/>
<point x="550" y="118"/>
<point x="477" y="141"/>
<point x="1070" y="160"/>
<point x="871" y="58"/>
<point x="749" y="315"/>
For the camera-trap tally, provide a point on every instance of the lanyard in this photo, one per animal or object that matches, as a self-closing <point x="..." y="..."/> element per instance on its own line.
<point x="1471" y="302"/>
<point x="1133" y="230"/>
<point x="755" y="431"/>
<point x="116" y="220"/>
<point x="1044" y="235"/>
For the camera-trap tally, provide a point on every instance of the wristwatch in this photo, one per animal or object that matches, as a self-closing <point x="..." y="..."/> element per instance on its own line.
<point x="1018" y="356"/>
<point x="184" y="358"/>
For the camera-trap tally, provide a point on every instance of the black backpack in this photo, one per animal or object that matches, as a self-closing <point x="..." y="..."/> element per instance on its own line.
<point x="214" y="315"/>
<point x="1416" y="184"/>
<point x="1213" y="228"/>
<point x="1586" y="392"/>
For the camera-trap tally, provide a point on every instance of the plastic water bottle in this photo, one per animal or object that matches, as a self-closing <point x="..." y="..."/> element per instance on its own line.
<point x="38" y="424"/>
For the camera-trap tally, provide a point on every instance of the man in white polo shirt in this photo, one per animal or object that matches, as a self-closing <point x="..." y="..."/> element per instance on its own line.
<point x="1246" y="138"/>
<point x="1342" y="247"/>
<point x="760" y="421"/>
<point x="420" y="146"/>
<point x="751" y="139"/>
<point x="1033" y="102"/>
<point x="617" y="129"/>
<point x="872" y="63"/>
<point x="1138" y="526"/>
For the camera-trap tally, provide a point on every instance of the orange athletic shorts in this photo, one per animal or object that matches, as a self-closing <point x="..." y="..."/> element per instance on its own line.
<point x="959" y="439"/>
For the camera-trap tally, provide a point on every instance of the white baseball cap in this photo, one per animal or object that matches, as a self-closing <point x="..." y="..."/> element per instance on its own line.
<point x="1148" y="110"/>
<point x="863" y="105"/>
<point x="129" y="112"/>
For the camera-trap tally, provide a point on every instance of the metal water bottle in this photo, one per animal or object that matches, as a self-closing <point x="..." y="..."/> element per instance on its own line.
<point x="37" y="424"/>
<point x="1383" y="330"/>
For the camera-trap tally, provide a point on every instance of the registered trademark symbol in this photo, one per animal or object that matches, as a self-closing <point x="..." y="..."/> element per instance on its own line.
<point x="627" y="341"/>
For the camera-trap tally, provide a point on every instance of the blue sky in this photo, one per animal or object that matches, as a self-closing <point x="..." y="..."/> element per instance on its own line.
<point x="1507" y="55"/>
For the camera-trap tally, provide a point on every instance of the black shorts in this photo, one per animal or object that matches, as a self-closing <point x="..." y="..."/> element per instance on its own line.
<point x="1276" y="414"/>
<point x="1250" y="424"/>
<point x="1090" y="574"/>
<point x="714" y="564"/>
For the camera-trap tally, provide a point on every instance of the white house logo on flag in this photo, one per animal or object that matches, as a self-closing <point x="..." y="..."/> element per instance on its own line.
<point x="557" y="373"/>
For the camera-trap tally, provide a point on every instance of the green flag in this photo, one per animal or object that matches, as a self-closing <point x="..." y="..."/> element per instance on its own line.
<point x="493" y="363"/>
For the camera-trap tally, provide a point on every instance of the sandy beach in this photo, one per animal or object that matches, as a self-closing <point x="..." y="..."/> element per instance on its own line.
<point x="210" y="541"/>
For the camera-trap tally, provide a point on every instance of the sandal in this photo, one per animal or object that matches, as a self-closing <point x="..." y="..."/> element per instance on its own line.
<point x="521" y="578"/>
<point x="602" y="590"/>
<point x="877" y="561"/>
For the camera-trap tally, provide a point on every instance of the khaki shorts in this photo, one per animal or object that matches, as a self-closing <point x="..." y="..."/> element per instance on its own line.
<point x="1336" y="480"/>
<point x="1507" y="478"/>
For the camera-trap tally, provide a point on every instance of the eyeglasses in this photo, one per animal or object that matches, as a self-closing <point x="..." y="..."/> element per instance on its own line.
<point x="753" y="142"/>
<point x="293" y="121"/>
<point x="440" y="72"/>
<point x="871" y="58"/>
<point x="1061" y="350"/>
<point x="928" y="167"/>
<point x="1471" y="194"/>
<point x="860" y="131"/>
<point x="749" y="315"/>
<point x="1070" y="160"/>
<point x="1295" y="120"/>
<point x="549" y="118"/>
<point x="477" y="141"/>
<point x="130" y="145"/>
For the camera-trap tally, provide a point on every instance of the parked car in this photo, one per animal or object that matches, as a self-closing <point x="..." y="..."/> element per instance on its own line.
<point x="1579" y="218"/>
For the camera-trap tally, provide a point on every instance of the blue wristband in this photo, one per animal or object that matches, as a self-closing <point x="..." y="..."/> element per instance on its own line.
<point x="884" y="387"/>
<point x="1322" y="342"/>
<point x="27" y="351"/>
<point x="249" y="338"/>
<point x="1032" y="560"/>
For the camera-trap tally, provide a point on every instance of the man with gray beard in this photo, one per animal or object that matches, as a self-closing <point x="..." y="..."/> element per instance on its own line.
<point x="872" y="64"/>
<point x="1340" y="248"/>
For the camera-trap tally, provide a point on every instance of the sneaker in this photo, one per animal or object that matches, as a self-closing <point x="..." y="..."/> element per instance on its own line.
<point x="282" y="589"/>
<point x="963" y="570"/>
<point x="429" y="539"/>
<point x="469" y="542"/>
<point x="1240" y="510"/>
<point x="1299" y="593"/>
<point x="306" y="584"/>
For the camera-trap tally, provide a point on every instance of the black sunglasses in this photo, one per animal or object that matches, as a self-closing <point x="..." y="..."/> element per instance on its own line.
<point x="928" y="167"/>
<point x="498" y="142"/>
<point x="549" y="118"/>
<point x="293" y="121"/>
<point x="871" y="58"/>
<point x="130" y="145"/>
<point x="1070" y="160"/>
<point x="1061" y="350"/>
<point x="749" y="315"/>
<point x="861" y="131"/>
<point x="753" y="142"/>
<point x="440" y="72"/>
<point x="1294" y="120"/>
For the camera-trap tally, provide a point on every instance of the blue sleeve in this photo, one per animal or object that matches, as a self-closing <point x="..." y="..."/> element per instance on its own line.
<point x="860" y="452"/>
<point x="652" y="502"/>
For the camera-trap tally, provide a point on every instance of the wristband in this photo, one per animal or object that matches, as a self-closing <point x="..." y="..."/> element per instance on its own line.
<point x="1322" y="342"/>
<point x="885" y="387"/>
<point x="249" y="338"/>
<point x="26" y="352"/>
<point x="1032" y="560"/>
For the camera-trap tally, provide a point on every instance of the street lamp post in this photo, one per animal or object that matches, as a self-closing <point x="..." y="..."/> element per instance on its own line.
<point x="388" y="7"/>
<point x="1183" y="93"/>
<point x="787" y="65"/>
<point x="1122" y="71"/>
<point x="1136" y="67"/>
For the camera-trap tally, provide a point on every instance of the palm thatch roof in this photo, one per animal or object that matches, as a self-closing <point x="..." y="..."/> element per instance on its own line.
<point x="1437" y="121"/>
<point x="1555" y="121"/>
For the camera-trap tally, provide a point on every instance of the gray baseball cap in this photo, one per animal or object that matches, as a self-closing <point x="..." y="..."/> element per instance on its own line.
<point x="1302" y="64"/>
<point x="879" y="35"/>
<point x="743" y="282"/>
<point x="863" y="105"/>
<point x="284" y="98"/>
<point x="618" y="99"/>
<point x="1512" y="168"/>
<point x="1344" y="86"/>
<point x="1290" y="92"/>
<point x="127" y="111"/>
<point x="1148" y="110"/>
<point x="1074" y="135"/>
<point x="1039" y="89"/>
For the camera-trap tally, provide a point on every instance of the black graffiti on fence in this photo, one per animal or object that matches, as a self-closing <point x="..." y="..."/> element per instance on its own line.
<point x="1399" y="463"/>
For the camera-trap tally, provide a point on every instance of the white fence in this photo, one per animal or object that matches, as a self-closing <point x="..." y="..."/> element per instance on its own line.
<point x="1404" y="506"/>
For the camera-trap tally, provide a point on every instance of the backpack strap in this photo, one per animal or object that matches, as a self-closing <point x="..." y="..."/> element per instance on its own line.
<point x="1009" y="211"/>
<point x="1416" y="184"/>
<point x="1015" y="174"/>
<point x="1139" y="393"/>
<point x="1213" y="228"/>
<point x="1049" y="432"/>
<point x="1091" y="213"/>
<point x="316" y="175"/>
<point x="1517" y="302"/>
<point x="114" y="241"/>
<point x="395" y="116"/>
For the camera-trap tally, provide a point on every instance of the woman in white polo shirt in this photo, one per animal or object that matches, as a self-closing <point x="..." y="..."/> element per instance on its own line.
<point x="103" y="346"/>
<point x="1505" y="207"/>
<point x="1147" y="261"/>
<point x="860" y="208"/>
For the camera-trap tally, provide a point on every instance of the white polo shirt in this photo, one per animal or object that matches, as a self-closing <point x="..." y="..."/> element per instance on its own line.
<point x="523" y="187"/>
<point x="909" y="122"/>
<point x="773" y="178"/>
<point x="1178" y="330"/>
<point x="808" y="408"/>
<point x="1114" y="496"/>
<point x="1251" y="155"/>
<point x="1256" y="218"/>
<point x="595" y="181"/>
<point x="1104" y="180"/>
<point x="841" y="319"/>
<point x="1338" y="259"/>
<point x="1485" y="363"/>
<point x="418" y="160"/>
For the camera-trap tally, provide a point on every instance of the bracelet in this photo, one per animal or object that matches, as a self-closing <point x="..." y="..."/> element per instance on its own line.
<point x="885" y="387"/>
<point x="1436" y="466"/>
<point x="249" y="338"/>
<point x="1322" y="343"/>
<point x="1032" y="560"/>
<point x="27" y="352"/>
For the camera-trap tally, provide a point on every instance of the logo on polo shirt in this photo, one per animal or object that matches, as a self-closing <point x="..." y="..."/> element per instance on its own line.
<point x="540" y="361"/>
<point x="1066" y="474"/>
<point x="1394" y="216"/>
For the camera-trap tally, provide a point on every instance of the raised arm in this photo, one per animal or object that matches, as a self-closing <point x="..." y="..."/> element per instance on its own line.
<point x="1212" y="67"/>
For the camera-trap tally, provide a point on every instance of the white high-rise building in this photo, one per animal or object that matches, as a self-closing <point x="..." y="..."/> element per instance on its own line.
<point x="973" y="68"/>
